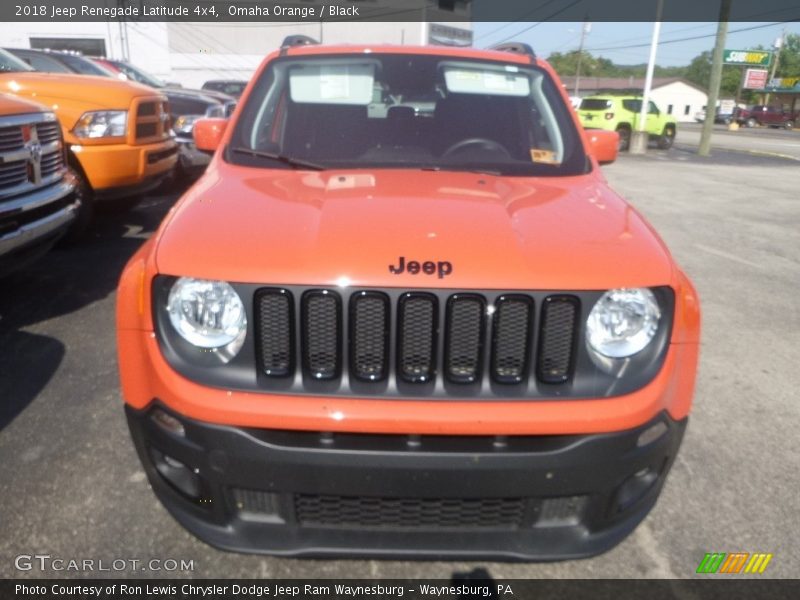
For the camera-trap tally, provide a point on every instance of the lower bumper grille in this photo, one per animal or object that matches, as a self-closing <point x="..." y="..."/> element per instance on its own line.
<point x="409" y="513"/>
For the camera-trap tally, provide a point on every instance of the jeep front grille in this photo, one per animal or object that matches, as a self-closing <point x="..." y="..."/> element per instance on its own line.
<point x="410" y="343"/>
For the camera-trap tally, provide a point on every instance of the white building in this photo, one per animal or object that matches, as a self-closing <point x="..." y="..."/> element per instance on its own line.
<point x="192" y="53"/>
<point x="673" y="95"/>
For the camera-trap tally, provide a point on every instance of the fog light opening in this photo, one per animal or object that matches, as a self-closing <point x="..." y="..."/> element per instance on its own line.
<point x="635" y="488"/>
<point x="168" y="423"/>
<point x="177" y="474"/>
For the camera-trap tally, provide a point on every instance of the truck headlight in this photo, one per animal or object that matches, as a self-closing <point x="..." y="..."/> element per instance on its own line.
<point x="102" y="123"/>
<point x="623" y="322"/>
<point x="185" y="123"/>
<point x="208" y="314"/>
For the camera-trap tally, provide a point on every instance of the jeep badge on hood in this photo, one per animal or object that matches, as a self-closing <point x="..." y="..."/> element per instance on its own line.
<point x="442" y="267"/>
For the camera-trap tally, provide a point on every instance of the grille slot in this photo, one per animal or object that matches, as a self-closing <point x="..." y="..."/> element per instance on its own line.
<point x="409" y="513"/>
<point x="275" y="332"/>
<point x="48" y="132"/>
<point x="369" y="335"/>
<point x="13" y="173"/>
<point x="51" y="163"/>
<point x="417" y="326"/>
<point x="465" y="332"/>
<point x="511" y="338"/>
<point x="322" y="334"/>
<point x="11" y="138"/>
<point x="557" y="339"/>
<point x="144" y="130"/>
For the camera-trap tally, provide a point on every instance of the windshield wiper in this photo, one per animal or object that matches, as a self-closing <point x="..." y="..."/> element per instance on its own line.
<point x="287" y="160"/>
<point x="461" y="170"/>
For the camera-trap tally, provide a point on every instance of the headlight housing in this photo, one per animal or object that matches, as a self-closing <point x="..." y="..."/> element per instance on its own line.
<point x="623" y="322"/>
<point x="185" y="123"/>
<point x="210" y="315"/>
<point x="102" y="124"/>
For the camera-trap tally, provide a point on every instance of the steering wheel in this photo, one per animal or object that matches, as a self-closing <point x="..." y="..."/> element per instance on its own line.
<point x="486" y="144"/>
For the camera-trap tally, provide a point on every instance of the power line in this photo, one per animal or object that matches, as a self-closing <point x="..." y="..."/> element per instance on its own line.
<point x="684" y="39"/>
<point x="555" y="14"/>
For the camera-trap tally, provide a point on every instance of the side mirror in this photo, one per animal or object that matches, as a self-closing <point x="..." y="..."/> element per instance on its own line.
<point x="603" y="145"/>
<point x="208" y="133"/>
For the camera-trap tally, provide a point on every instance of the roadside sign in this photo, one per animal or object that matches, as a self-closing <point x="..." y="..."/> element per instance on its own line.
<point x="754" y="58"/>
<point x="755" y="79"/>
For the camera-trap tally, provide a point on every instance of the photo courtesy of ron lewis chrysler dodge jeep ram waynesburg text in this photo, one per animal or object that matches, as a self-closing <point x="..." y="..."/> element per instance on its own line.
<point x="403" y="314"/>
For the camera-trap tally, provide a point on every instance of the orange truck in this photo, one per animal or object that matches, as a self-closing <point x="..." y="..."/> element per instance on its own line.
<point x="117" y="133"/>
<point x="37" y="196"/>
<point x="403" y="314"/>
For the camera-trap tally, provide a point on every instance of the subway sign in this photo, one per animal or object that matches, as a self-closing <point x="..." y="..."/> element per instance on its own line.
<point x="760" y="58"/>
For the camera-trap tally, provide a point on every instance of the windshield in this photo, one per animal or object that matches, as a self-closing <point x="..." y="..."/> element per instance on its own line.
<point x="11" y="64"/>
<point x="84" y="66"/>
<point x="408" y="111"/>
<point x="138" y="75"/>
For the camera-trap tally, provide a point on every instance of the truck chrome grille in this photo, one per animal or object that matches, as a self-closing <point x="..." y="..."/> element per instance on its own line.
<point x="413" y="343"/>
<point x="31" y="153"/>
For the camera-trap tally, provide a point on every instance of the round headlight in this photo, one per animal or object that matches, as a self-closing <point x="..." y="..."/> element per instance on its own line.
<point x="623" y="322"/>
<point x="207" y="314"/>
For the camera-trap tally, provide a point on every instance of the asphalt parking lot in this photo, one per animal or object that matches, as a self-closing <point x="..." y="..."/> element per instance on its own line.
<point x="72" y="486"/>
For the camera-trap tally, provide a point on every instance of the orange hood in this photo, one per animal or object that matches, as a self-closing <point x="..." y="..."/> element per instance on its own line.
<point x="333" y="227"/>
<point x="72" y="95"/>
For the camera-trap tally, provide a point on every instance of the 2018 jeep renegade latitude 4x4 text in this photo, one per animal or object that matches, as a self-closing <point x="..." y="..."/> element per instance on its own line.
<point x="403" y="314"/>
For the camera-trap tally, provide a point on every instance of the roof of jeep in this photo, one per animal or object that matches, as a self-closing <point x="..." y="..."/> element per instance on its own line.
<point x="477" y="53"/>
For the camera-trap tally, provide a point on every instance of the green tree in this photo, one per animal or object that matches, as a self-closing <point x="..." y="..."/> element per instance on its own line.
<point x="789" y="62"/>
<point x="699" y="73"/>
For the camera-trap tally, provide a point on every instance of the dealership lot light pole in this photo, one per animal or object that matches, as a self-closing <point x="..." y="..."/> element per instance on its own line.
<point x="640" y="137"/>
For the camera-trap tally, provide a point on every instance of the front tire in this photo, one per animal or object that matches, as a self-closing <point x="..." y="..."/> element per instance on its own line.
<point x="751" y="122"/>
<point x="667" y="138"/>
<point x="624" y="138"/>
<point x="85" y="216"/>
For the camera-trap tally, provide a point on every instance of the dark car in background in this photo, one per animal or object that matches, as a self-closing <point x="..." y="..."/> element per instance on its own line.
<point x="232" y="87"/>
<point x="52" y="61"/>
<point x="771" y="116"/>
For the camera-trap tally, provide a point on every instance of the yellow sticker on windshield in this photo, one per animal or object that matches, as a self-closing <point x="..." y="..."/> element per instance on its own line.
<point x="543" y="156"/>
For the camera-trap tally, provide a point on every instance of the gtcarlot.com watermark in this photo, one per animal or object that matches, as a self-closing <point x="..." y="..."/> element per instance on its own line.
<point x="46" y="562"/>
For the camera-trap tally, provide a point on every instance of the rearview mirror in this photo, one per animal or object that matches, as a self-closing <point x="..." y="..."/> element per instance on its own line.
<point x="208" y="133"/>
<point x="603" y="145"/>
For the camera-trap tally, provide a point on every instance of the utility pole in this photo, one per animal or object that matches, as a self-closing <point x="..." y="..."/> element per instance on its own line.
<point x="587" y="27"/>
<point x="716" y="78"/>
<point x="640" y="137"/>
<point x="778" y="45"/>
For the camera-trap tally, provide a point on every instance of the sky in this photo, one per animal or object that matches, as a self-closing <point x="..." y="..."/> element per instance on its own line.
<point x="546" y="38"/>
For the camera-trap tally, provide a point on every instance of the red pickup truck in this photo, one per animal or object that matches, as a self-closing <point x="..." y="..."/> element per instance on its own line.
<point x="772" y="116"/>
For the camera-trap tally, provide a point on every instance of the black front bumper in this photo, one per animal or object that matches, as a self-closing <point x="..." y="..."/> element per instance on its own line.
<point x="316" y="494"/>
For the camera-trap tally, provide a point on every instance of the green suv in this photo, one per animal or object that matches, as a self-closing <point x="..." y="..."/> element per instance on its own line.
<point x="621" y="114"/>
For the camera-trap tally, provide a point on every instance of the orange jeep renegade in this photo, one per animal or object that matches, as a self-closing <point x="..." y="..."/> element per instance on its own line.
<point x="403" y="314"/>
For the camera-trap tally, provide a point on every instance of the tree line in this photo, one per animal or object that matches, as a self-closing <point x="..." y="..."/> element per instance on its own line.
<point x="698" y="71"/>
